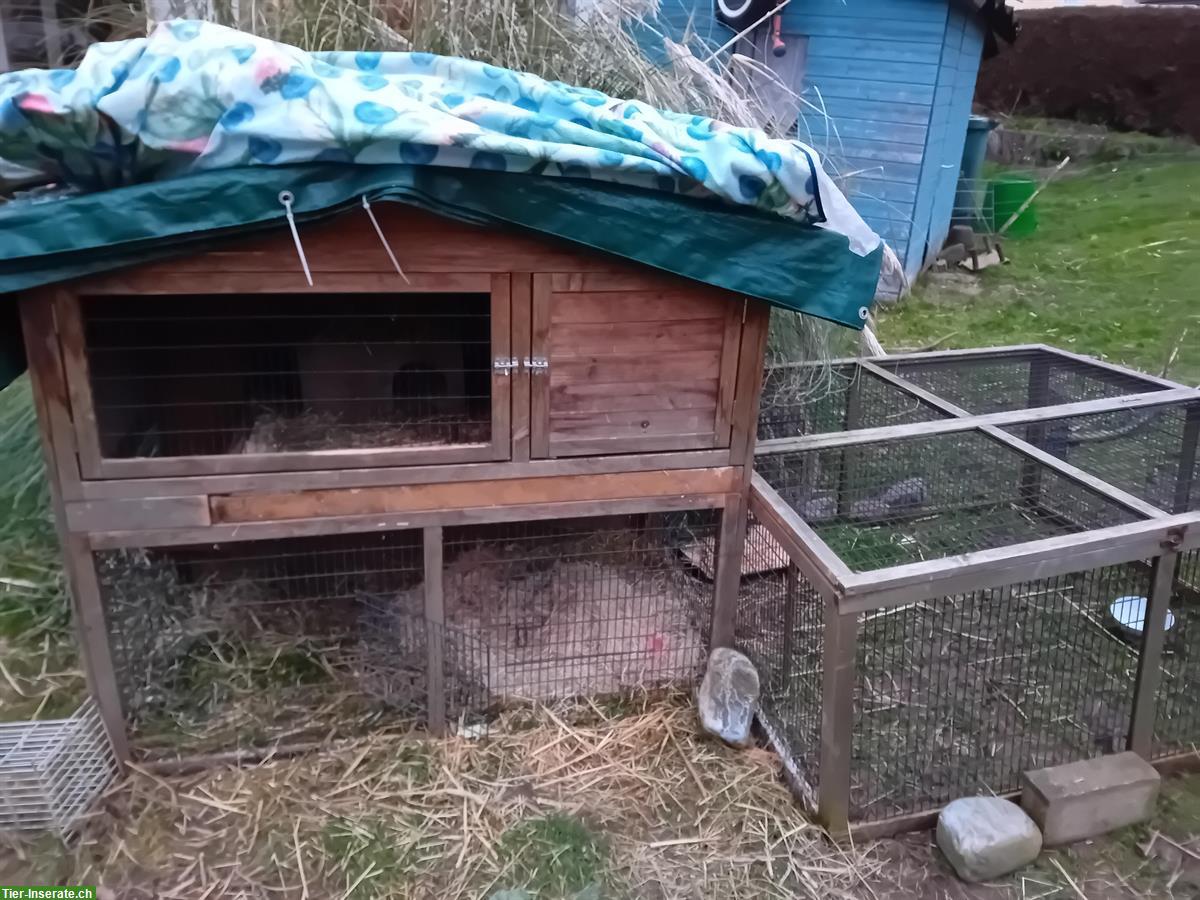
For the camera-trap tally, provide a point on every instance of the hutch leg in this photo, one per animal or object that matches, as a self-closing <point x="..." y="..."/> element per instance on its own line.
<point x="837" y="719"/>
<point x="1162" y="583"/>
<point x="731" y="541"/>
<point x="435" y="628"/>
<point x="848" y="454"/>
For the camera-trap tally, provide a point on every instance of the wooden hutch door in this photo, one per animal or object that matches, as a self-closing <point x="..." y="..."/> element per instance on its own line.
<point x="630" y="364"/>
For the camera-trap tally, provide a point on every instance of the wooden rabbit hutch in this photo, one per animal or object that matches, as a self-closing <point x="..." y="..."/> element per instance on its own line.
<point x="480" y="479"/>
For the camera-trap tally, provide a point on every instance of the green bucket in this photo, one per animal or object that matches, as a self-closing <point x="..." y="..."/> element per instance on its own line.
<point x="1007" y="193"/>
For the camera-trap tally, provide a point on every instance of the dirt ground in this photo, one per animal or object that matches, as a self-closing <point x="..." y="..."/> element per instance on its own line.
<point x="1130" y="69"/>
<point x="582" y="803"/>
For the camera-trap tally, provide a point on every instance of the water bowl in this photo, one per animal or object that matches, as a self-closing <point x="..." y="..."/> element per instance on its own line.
<point x="1129" y="615"/>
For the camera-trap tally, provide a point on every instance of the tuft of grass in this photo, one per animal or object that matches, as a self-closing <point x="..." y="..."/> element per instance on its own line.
<point x="554" y="856"/>
<point x="1111" y="272"/>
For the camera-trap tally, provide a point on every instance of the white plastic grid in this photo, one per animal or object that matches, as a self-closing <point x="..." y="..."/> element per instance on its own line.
<point x="52" y="771"/>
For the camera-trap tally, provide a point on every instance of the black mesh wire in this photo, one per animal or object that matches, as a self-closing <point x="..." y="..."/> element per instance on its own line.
<point x="245" y="644"/>
<point x="779" y="626"/>
<point x="266" y="374"/>
<point x="958" y="696"/>
<point x="587" y="606"/>
<point x="1149" y="452"/>
<point x="795" y="402"/>
<point x="915" y="499"/>
<point x="1017" y="380"/>
<point x="1177" y="723"/>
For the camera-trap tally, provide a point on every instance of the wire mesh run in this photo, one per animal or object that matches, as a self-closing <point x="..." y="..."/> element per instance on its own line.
<point x="915" y="499"/>
<point x="585" y="607"/>
<point x="251" y="644"/>
<point x="1149" y="452"/>
<point x="796" y="402"/>
<point x="959" y="696"/>
<point x="218" y="375"/>
<point x="1177" y="714"/>
<point x="52" y="771"/>
<point x="1015" y="379"/>
<point x="779" y="627"/>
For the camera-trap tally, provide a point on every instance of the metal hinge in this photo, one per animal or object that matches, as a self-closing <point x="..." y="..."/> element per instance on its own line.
<point x="504" y="364"/>
<point x="536" y="364"/>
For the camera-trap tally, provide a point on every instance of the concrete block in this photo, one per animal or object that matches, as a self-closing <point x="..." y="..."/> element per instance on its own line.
<point x="1083" y="799"/>
<point x="987" y="837"/>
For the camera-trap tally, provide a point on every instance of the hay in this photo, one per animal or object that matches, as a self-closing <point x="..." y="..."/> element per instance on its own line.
<point x="579" y="627"/>
<point x="673" y="816"/>
<point x="274" y="433"/>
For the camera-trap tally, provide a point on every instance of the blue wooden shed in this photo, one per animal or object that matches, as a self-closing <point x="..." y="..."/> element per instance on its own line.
<point x="887" y="86"/>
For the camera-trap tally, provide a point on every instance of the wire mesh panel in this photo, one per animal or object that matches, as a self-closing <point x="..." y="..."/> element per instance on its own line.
<point x="1016" y="380"/>
<point x="1177" y="722"/>
<point x="250" y="643"/>
<point x="205" y="375"/>
<point x="1151" y="452"/>
<point x="584" y="606"/>
<point x="51" y="771"/>
<point x="796" y="402"/>
<point x="779" y="627"/>
<point x="958" y="696"/>
<point x="915" y="499"/>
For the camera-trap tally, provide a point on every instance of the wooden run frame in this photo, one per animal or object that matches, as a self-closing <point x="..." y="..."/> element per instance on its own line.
<point x="1159" y="536"/>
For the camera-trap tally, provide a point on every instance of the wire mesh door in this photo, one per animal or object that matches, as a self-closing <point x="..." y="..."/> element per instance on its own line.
<point x="312" y="381"/>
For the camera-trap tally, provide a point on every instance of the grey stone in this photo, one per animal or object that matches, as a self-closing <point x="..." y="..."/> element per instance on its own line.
<point x="987" y="837"/>
<point x="907" y="494"/>
<point x="728" y="696"/>
<point x="1090" y="797"/>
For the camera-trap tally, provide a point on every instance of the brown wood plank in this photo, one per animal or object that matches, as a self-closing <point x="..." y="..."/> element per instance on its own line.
<point x="631" y="278"/>
<point x="513" y="492"/>
<point x="522" y="321"/>
<point x="744" y="418"/>
<point x="731" y="542"/>
<point x="618" y="369"/>
<point x="540" y="382"/>
<point x="571" y="341"/>
<point x="727" y="380"/>
<point x="568" y="426"/>
<point x="501" y="324"/>
<point x="299" y="461"/>
<point x="645" y="306"/>
<point x="1149" y="670"/>
<point x="69" y="318"/>
<point x="159" y="280"/>
<point x="137" y="515"/>
<point x="348" y="478"/>
<point x="584" y="397"/>
<point x="435" y="625"/>
<point x="50" y="392"/>
<point x="837" y="718"/>
<point x="363" y="524"/>
<point x="634" y="444"/>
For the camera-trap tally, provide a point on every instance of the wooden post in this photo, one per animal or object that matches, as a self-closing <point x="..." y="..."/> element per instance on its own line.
<point x="54" y="425"/>
<point x="1035" y="432"/>
<point x="1185" y="482"/>
<point x="4" y="66"/>
<point x="849" y="423"/>
<point x="435" y="629"/>
<point x="837" y="718"/>
<point x="728" y="556"/>
<point x="1145" y="697"/>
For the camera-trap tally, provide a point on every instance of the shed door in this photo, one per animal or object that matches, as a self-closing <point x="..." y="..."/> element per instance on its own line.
<point x="630" y="364"/>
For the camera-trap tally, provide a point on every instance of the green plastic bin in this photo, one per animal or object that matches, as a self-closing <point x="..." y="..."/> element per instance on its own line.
<point x="1007" y="194"/>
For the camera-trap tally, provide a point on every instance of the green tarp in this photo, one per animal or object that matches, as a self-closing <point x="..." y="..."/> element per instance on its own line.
<point x="797" y="267"/>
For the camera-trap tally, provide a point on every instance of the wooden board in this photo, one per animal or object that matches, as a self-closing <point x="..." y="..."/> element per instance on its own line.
<point x="761" y="553"/>
<point x="635" y="363"/>
<point x="422" y="497"/>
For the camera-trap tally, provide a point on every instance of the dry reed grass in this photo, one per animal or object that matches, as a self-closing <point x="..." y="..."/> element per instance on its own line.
<point x="626" y="801"/>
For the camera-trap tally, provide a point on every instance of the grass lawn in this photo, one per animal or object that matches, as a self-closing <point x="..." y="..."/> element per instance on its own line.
<point x="1113" y="271"/>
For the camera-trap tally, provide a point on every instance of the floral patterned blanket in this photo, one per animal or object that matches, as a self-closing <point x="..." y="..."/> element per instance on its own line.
<point x="196" y="96"/>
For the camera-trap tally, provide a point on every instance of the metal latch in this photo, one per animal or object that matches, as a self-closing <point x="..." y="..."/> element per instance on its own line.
<point x="504" y="364"/>
<point x="537" y="364"/>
